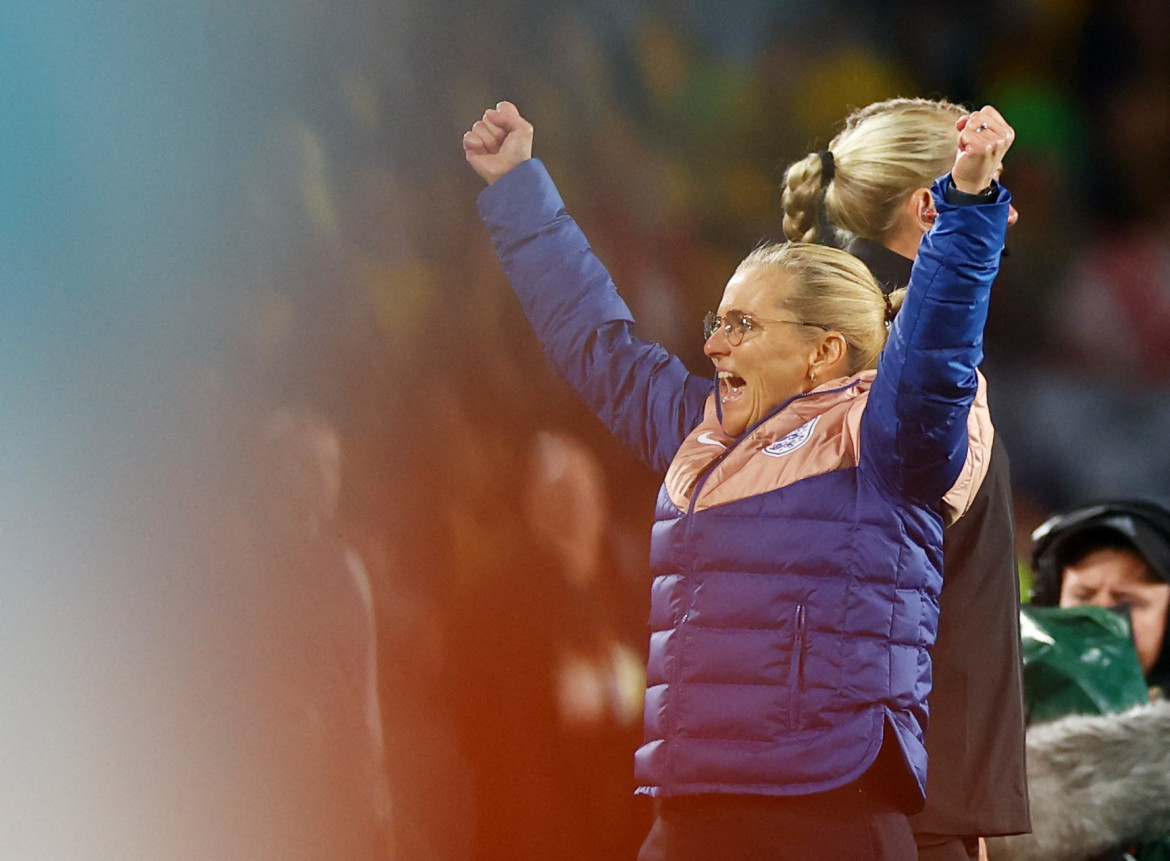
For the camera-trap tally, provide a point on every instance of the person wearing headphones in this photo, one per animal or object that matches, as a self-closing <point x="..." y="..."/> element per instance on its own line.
<point x="1100" y="784"/>
<point x="1111" y="554"/>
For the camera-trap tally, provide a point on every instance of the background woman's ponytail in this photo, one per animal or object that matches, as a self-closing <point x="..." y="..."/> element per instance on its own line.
<point x="804" y="193"/>
<point x="884" y="153"/>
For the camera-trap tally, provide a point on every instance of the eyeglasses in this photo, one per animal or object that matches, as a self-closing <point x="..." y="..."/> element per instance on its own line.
<point x="736" y="324"/>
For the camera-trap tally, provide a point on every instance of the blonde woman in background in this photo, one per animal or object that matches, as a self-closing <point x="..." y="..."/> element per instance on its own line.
<point x="870" y="192"/>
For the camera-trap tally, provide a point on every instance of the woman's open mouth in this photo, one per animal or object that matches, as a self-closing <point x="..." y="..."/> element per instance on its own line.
<point x="730" y="386"/>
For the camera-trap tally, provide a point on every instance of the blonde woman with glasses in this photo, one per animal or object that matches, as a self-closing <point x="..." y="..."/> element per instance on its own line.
<point x="796" y="551"/>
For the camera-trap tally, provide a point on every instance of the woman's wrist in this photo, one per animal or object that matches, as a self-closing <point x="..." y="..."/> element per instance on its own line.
<point x="959" y="197"/>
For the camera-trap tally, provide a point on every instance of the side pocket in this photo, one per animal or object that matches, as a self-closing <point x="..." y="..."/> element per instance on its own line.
<point x="796" y="669"/>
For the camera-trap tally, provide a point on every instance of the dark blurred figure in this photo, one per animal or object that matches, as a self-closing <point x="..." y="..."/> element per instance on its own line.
<point x="544" y="681"/>
<point x="598" y="675"/>
<point x="319" y="721"/>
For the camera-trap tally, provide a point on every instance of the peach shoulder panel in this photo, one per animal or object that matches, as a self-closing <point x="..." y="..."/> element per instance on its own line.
<point x="814" y="435"/>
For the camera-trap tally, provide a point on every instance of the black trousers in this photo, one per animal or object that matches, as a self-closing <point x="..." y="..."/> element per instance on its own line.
<point x="932" y="847"/>
<point x="857" y="822"/>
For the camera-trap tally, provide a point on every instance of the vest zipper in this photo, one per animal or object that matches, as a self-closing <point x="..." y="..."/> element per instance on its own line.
<point x="796" y="670"/>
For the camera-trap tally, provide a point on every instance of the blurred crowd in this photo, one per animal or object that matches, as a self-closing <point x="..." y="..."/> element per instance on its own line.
<point x="503" y="534"/>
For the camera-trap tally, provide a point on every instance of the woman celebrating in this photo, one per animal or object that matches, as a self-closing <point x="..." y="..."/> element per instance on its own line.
<point x="797" y="546"/>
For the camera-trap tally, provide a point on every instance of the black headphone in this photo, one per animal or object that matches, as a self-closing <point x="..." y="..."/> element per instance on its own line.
<point x="1144" y="524"/>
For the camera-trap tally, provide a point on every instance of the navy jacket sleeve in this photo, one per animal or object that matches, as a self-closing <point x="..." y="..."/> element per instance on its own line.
<point x="914" y="431"/>
<point x="643" y="394"/>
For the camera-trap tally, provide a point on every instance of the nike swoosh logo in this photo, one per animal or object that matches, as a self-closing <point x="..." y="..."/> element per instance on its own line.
<point x="706" y="439"/>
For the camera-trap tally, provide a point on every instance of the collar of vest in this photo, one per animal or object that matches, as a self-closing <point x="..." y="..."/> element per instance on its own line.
<point x="806" y="435"/>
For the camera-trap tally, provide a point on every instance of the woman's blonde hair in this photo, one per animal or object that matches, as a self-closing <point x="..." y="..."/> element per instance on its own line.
<point x="835" y="290"/>
<point x="883" y="153"/>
